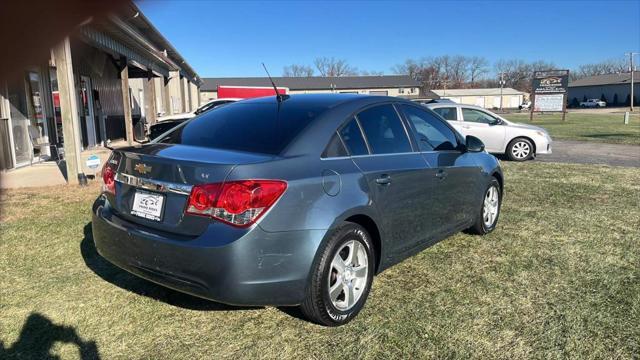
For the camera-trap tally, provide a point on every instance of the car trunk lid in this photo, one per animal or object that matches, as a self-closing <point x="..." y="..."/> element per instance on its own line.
<point x="153" y="183"/>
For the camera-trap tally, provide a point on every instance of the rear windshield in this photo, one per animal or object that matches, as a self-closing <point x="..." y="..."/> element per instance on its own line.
<point x="260" y="127"/>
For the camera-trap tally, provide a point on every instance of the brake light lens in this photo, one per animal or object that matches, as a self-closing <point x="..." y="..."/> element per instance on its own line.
<point x="239" y="203"/>
<point x="109" y="178"/>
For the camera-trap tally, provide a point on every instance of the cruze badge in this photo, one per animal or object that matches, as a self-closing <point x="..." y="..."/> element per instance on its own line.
<point x="142" y="168"/>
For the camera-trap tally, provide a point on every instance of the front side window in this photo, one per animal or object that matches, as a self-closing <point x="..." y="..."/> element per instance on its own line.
<point x="477" y="116"/>
<point x="432" y="133"/>
<point x="352" y="137"/>
<point x="384" y="131"/>
<point x="447" y="113"/>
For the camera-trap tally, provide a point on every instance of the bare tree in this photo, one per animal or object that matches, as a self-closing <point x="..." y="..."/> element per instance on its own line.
<point x="518" y="73"/>
<point x="458" y="71"/>
<point x="371" y="73"/>
<point x="610" y="66"/>
<point x="296" y="70"/>
<point x="478" y="66"/>
<point x="334" y="67"/>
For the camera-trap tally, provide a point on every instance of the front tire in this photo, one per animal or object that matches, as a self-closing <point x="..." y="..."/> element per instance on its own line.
<point x="520" y="149"/>
<point x="487" y="219"/>
<point x="341" y="277"/>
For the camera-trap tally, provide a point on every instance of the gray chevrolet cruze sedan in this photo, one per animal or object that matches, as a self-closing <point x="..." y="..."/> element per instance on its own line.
<point x="298" y="200"/>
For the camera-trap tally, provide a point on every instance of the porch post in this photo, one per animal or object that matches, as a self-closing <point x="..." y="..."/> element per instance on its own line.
<point x="69" y="112"/>
<point x="126" y="103"/>
<point x="150" y="99"/>
<point x="166" y="93"/>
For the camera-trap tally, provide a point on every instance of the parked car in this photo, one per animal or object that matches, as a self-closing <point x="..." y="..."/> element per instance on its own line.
<point x="593" y="103"/>
<point x="519" y="142"/>
<point x="290" y="202"/>
<point x="166" y="123"/>
<point x="525" y="105"/>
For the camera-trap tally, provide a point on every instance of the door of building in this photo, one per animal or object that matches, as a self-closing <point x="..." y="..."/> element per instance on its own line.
<point x="87" y="113"/>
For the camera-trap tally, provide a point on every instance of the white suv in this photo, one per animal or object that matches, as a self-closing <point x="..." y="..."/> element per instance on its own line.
<point x="519" y="142"/>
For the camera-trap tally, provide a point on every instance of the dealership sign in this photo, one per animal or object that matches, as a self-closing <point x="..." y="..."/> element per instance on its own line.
<point x="549" y="103"/>
<point x="549" y="91"/>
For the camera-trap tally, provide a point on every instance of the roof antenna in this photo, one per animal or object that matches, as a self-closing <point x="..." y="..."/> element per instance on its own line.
<point x="280" y="97"/>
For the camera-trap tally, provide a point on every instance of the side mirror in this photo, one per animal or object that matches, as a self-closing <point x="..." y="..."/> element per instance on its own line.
<point x="473" y="144"/>
<point x="497" y="122"/>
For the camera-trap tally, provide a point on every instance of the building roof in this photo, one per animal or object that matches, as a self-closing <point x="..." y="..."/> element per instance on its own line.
<point x="316" y="82"/>
<point x="477" y="92"/>
<point x="606" y="79"/>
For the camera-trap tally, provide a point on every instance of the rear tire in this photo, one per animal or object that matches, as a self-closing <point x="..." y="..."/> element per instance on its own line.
<point x="341" y="277"/>
<point x="520" y="149"/>
<point x="489" y="212"/>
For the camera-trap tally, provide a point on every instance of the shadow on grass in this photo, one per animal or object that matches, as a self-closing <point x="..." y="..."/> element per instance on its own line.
<point x="129" y="282"/>
<point x="611" y="135"/>
<point x="39" y="334"/>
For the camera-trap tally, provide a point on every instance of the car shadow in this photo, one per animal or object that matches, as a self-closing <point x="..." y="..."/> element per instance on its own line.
<point x="132" y="283"/>
<point x="38" y="336"/>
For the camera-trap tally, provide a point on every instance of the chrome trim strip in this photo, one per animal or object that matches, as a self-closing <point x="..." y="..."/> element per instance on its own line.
<point x="154" y="185"/>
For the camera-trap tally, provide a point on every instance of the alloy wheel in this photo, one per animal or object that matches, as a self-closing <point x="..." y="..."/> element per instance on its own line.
<point x="521" y="150"/>
<point x="348" y="275"/>
<point x="491" y="206"/>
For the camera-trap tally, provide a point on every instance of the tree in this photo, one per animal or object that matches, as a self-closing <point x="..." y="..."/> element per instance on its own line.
<point x="334" y="67"/>
<point x="610" y="66"/>
<point x="371" y="73"/>
<point x="603" y="98"/>
<point x="477" y="68"/>
<point x="574" y="103"/>
<point x="296" y="70"/>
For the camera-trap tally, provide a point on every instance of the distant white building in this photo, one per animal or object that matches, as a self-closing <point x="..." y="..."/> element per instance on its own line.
<point x="486" y="98"/>
<point x="389" y="85"/>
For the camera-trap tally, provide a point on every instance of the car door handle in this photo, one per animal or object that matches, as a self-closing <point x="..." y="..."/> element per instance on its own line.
<point x="384" y="180"/>
<point x="441" y="174"/>
<point x="466" y="127"/>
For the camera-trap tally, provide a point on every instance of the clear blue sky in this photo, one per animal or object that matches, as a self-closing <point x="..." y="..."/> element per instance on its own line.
<point x="231" y="38"/>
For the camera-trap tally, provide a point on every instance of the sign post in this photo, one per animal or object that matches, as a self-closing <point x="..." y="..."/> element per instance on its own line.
<point x="549" y="92"/>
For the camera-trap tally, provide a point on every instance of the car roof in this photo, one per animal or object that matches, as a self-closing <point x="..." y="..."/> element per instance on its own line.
<point x="324" y="100"/>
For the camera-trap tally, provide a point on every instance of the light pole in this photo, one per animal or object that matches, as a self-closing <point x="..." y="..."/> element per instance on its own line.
<point x="502" y="82"/>
<point x="631" y="71"/>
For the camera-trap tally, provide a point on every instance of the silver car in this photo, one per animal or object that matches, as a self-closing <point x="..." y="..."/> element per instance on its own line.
<point x="519" y="142"/>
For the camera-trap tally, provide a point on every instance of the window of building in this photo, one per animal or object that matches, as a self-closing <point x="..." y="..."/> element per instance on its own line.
<point x="384" y="131"/>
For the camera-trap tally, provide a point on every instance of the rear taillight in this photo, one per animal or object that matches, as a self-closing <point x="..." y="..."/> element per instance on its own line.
<point x="239" y="203"/>
<point x="109" y="178"/>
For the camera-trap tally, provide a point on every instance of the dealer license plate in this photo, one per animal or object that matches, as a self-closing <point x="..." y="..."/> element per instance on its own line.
<point x="147" y="205"/>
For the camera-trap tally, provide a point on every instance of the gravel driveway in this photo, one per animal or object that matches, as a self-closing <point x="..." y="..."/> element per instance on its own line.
<point x="587" y="152"/>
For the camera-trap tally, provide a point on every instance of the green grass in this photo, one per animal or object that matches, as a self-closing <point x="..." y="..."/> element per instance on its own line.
<point x="560" y="277"/>
<point x="608" y="128"/>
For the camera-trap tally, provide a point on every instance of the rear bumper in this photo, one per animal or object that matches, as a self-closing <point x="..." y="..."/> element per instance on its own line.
<point x="224" y="264"/>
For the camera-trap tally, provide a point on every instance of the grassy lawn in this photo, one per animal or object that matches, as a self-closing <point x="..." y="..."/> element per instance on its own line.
<point x="586" y="127"/>
<point x="560" y="277"/>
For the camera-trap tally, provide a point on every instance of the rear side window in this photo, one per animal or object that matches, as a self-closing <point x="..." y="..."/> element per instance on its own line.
<point x="447" y="113"/>
<point x="352" y="137"/>
<point x="433" y="133"/>
<point x="334" y="148"/>
<point x="384" y="131"/>
<point x="260" y="127"/>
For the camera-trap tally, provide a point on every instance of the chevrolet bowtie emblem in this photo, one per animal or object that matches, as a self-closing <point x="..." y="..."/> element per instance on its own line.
<point x="142" y="168"/>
